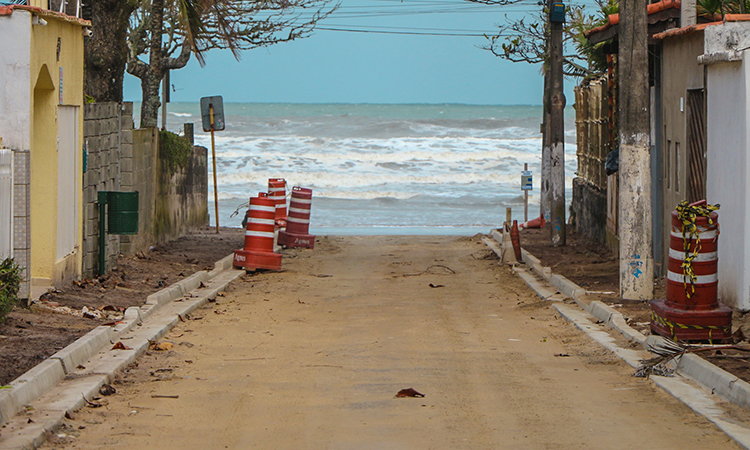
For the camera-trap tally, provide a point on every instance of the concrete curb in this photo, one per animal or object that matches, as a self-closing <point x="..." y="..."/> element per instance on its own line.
<point x="29" y="386"/>
<point x="44" y="377"/>
<point x="697" y="399"/>
<point x="712" y="378"/>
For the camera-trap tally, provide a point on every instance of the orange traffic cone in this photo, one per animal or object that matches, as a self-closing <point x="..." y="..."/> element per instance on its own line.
<point x="258" y="250"/>
<point x="516" y="240"/>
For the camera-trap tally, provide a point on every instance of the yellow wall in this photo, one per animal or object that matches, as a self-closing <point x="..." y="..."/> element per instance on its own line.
<point x="44" y="60"/>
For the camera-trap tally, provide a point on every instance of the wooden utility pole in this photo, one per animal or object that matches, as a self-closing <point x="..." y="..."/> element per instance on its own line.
<point x="635" y="215"/>
<point x="556" y="125"/>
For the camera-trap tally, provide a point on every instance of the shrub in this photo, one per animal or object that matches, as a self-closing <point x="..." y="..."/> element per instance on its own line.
<point x="174" y="150"/>
<point x="10" y="281"/>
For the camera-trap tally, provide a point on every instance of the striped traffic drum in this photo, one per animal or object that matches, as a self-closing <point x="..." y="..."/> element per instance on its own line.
<point x="259" y="237"/>
<point x="699" y="291"/>
<point x="297" y="232"/>
<point x="277" y="191"/>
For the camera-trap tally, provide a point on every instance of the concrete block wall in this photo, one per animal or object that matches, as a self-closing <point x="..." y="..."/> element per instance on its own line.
<point x="169" y="203"/>
<point x="182" y="201"/>
<point x="102" y="125"/>
<point x="141" y="158"/>
<point x="22" y="218"/>
<point x="121" y="158"/>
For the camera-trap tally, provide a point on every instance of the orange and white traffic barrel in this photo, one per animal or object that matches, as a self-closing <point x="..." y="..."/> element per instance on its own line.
<point x="277" y="191"/>
<point x="693" y="279"/>
<point x="259" y="237"/>
<point x="691" y="310"/>
<point x="298" y="221"/>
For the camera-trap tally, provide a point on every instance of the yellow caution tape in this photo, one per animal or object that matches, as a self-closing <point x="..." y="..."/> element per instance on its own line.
<point x="687" y="214"/>
<point x="667" y="323"/>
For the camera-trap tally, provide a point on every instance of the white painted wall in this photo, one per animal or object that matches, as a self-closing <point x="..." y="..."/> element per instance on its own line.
<point x="68" y="185"/>
<point x="15" y="85"/>
<point x="728" y="180"/>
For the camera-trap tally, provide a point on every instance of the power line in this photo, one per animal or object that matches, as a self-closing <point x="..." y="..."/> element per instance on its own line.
<point x="440" y="30"/>
<point x="411" y="33"/>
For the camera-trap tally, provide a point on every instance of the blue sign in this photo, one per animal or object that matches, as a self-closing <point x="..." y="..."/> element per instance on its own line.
<point x="527" y="182"/>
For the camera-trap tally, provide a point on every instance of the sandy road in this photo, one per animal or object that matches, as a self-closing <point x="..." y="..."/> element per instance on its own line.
<point x="312" y="358"/>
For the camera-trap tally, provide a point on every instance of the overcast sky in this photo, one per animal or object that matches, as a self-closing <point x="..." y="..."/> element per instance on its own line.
<point x="370" y="67"/>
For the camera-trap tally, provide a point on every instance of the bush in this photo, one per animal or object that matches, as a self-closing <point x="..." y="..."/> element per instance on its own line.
<point x="174" y="150"/>
<point x="10" y="281"/>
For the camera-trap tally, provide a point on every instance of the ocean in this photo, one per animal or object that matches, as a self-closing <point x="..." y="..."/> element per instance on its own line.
<point x="381" y="168"/>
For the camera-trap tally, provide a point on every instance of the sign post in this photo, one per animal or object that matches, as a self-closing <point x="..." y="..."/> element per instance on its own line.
<point x="212" y="114"/>
<point x="526" y="185"/>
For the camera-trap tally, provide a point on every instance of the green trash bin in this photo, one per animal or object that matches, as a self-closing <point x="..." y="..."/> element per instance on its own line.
<point x="122" y="214"/>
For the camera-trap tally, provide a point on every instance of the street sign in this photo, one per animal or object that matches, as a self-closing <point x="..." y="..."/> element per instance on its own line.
<point x="212" y="115"/>
<point x="218" y="109"/>
<point x="527" y="183"/>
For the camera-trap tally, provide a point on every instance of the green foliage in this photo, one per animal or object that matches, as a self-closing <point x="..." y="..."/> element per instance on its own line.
<point x="175" y="150"/>
<point x="10" y="281"/>
<point x="593" y="54"/>
<point x="711" y="8"/>
<point x="526" y="40"/>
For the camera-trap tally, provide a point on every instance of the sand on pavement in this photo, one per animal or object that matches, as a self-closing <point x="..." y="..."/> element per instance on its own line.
<point x="312" y="358"/>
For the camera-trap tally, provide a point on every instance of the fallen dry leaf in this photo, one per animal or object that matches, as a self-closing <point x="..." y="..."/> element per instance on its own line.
<point x="121" y="346"/>
<point x="107" y="389"/>
<point x="409" y="392"/>
<point x="160" y="346"/>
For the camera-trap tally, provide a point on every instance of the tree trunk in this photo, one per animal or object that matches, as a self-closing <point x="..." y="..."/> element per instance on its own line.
<point x="155" y="73"/>
<point x="106" y="51"/>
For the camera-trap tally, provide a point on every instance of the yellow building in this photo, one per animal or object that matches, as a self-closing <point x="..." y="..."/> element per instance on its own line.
<point x="41" y="122"/>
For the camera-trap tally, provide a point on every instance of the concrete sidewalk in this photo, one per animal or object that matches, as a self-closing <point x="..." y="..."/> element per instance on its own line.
<point x="66" y="380"/>
<point x="709" y="380"/>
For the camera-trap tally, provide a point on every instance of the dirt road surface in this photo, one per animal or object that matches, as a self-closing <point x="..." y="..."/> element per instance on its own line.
<point x="312" y="358"/>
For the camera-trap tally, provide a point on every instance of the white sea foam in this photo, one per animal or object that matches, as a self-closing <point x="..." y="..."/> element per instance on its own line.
<point x="375" y="166"/>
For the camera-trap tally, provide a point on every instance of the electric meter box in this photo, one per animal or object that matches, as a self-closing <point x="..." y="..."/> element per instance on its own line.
<point x="558" y="12"/>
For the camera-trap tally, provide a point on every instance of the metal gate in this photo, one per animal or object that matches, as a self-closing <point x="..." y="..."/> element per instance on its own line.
<point x="6" y="203"/>
<point x="696" y="144"/>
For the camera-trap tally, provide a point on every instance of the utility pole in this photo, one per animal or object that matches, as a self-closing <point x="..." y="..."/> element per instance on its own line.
<point x="544" y="192"/>
<point x="556" y="125"/>
<point x="635" y="215"/>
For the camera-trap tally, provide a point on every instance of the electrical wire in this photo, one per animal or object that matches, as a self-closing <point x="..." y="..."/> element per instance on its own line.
<point x="411" y="33"/>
